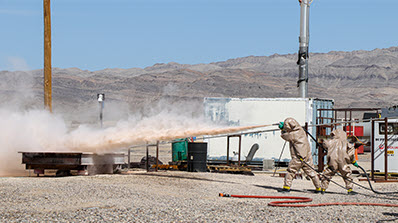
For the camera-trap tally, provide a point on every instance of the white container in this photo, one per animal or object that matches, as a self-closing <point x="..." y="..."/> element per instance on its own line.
<point x="392" y="146"/>
<point x="259" y="111"/>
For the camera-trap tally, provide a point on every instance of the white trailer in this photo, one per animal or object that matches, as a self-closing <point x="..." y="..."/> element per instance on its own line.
<point x="257" y="111"/>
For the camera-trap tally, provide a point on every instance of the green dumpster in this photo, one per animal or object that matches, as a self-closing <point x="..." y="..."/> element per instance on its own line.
<point x="179" y="150"/>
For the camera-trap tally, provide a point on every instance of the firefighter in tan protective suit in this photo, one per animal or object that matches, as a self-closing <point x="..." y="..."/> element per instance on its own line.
<point x="341" y="153"/>
<point x="300" y="152"/>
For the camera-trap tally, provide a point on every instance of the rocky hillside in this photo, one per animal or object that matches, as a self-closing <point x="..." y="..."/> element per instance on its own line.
<point x="353" y="79"/>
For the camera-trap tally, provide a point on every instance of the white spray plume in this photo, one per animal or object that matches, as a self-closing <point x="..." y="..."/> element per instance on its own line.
<point x="25" y="129"/>
<point x="38" y="130"/>
<point x="32" y="130"/>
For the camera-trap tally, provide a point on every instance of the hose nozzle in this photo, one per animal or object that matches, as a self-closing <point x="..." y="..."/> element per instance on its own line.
<point x="224" y="195"/>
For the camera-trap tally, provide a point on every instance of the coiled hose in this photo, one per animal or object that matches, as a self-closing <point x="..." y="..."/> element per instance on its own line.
<point x="294" y="199"/>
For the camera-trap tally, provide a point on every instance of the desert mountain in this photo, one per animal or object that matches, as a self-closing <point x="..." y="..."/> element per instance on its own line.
<point x="353" y="79"/>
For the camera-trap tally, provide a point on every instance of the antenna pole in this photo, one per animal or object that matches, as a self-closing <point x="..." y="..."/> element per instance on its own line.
<point x="303" y="55"/>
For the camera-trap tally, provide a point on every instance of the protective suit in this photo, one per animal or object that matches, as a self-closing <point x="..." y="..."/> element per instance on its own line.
<point x="340" y="154"/>
<point x="300" y="151"/>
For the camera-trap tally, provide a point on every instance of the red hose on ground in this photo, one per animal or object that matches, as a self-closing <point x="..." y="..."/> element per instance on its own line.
<point x="289" y="203"/>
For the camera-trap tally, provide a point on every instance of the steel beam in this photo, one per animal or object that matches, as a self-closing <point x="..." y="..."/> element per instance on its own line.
<point x="385" y="148"/>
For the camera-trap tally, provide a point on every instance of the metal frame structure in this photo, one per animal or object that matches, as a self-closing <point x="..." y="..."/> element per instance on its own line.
<point x="322" y="126"/>
<point x="128" y="158"/>
<point x="240" y="147"/>
<point x="147" y="156"/>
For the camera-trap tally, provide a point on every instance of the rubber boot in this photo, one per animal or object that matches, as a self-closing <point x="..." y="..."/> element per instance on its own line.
<point x="285" y="189"/>
<point x="351" y="192"/>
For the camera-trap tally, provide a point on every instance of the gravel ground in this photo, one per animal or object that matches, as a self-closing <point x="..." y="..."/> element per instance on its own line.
<point x="178" y="197"/>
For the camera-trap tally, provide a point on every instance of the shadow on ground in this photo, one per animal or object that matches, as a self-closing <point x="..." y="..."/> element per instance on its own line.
<point x="381" y="197"/>
<point x="278" y="189"/>
<point x="395" y="215"/>
<point x="181" y="177"/>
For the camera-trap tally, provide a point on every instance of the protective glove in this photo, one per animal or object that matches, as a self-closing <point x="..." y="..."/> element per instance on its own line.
<point x="300" y="158"/>
<point x="281" y="124"/>
<point x="355" y="164"/>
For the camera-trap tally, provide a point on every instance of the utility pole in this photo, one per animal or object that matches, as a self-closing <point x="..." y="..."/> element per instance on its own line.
<point x="47" y="55"/>
<point x="303" y="54"/>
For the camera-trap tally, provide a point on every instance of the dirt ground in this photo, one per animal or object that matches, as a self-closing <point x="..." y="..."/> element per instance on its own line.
<point x="175" y="196"/>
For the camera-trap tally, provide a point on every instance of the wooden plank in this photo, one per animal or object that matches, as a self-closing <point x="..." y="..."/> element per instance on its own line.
<point x="385" y="181"/>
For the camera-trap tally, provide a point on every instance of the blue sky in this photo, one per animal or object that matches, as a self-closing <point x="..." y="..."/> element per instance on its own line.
<point x="98" y="34"/>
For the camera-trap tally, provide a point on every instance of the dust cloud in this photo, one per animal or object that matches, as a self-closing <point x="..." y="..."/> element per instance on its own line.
<point x="38" y="130"/>
<point x="26" y="128"/>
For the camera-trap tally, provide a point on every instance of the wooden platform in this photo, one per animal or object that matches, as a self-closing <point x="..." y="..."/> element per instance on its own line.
<point x="230" y="169"/>
<point x="170" y="166"/>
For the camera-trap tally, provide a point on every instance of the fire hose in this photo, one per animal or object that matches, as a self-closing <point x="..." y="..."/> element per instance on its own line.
<point x="294" y="200"/>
